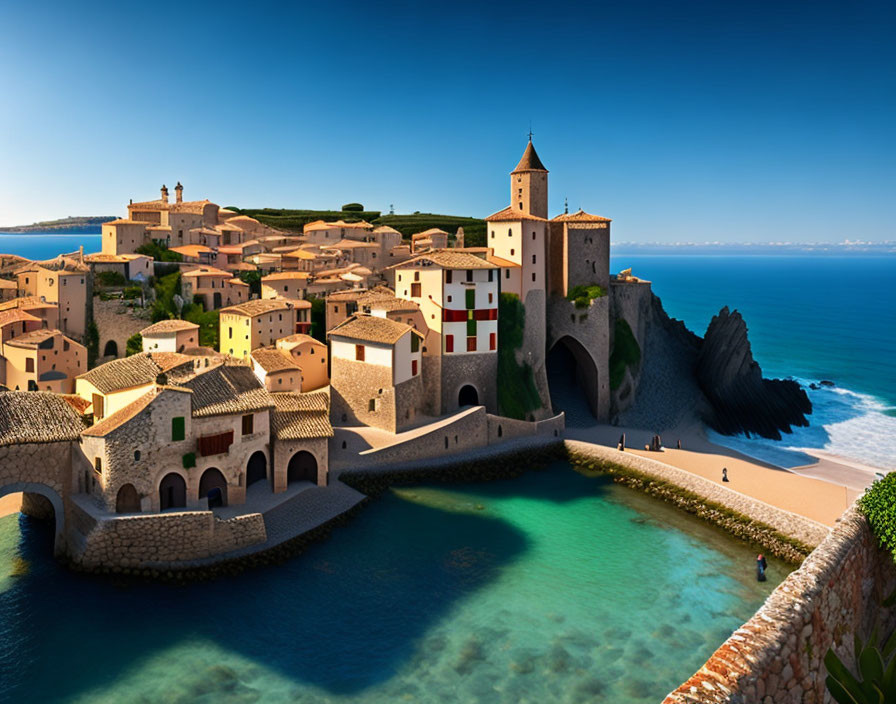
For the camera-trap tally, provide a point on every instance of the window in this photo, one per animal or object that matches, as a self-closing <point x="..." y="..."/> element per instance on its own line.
<point x="490" y="272"/>
<point x="449" y="299"/>
<point x="98" y="465"/>
<point x="178" y="428"/>
<point x="512" y="252"/>
<point x="533" y="258"/>
<point x="416" y="276"/>
<point x="29" y="365"/>
<point x="492" y="341"/>
<point x="415" y="343"/>
<point x="371" y="405"/>
<point x="491" y="297"/>
<point x="510" y="230"/>
<point x="471" y="344"/>
<point x="448" y="274"/>
<point x="230" y="333"/>
<point x="507" y="273"/>
<point x="413" y="367"/>
<point x="533" y="235"/>
<point x="416" y="291"/>
<point x="533" y="276"/>
<point x="359" y="353"/>
<point x="471" y="298"/>
<point x="493" y="234"/>
<point x="249" y="424"/>
<point x="449" y="343"/>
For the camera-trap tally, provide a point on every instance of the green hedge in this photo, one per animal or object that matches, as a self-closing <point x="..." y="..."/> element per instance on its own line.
<point x="517" y="393"/>
<point x="879" y="506"/>
<point x="626" y="352"/>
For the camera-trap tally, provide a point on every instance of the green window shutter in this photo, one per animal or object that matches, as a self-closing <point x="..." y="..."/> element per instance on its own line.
<point x="471" y="298"/>
<point x="471" y="328"/>
<point x="415" y="343"/>
<point x="177" y="429"/>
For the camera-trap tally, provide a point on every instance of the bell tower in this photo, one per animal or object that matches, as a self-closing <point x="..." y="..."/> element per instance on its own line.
<point x="529" y="184"/>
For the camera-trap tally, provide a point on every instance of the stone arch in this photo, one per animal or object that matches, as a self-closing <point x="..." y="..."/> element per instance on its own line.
<point x="256" y="468"/>
<point x="55" y="500"/>
<point x="468" y="396"/>
<point x="127" y="500"/>
<point x="213" y="485"/>
<point x="111" y="349"/>
<point x="172" y="491"/>
<point x="302" y="467"/>
<point x="573" y="379"/>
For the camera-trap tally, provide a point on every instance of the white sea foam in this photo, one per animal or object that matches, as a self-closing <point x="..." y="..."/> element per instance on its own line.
<point x="844" y="423"/>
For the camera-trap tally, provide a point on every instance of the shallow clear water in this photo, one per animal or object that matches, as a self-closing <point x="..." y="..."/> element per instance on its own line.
<point x="550" y="587"/>
<point x="39" y="246"/>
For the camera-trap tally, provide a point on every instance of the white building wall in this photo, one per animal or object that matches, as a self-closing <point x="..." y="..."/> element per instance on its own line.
<point x="160" y="343"/>
<point x="374" y="353"/>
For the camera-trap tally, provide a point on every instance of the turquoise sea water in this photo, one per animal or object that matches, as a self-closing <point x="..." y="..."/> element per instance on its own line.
<point x="811" y="318"/>
<point x="550" y="588"/>
<point x="46" y="246"/>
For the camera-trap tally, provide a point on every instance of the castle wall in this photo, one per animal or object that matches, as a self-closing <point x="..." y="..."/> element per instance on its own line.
<point x="630" y="301"/>
<point x="115" y="323"/>
<point x="479" y="370"/>
<point x="362" y="393"/>
<point x="778" y="655"/>
<point x="588" y="254"/>
<point x="533" y="351"/>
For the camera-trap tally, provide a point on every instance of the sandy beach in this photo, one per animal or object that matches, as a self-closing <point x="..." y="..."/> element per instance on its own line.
<point x="820" y="491"/>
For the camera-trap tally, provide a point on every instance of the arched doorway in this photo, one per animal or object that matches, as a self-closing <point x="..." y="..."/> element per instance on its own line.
<point x="468" y="396"/>
<point x="257" y="469"/>
<point x="111" y="349"/>
<point x="572" y="378"/>
<point x="127" y="500"/>
<point x="213" y="485"/>
<point x="172" y="492"/>
<point x="302" y="467"/>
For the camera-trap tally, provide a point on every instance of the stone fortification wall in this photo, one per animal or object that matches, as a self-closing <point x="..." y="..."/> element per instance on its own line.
<point x="777" y="657"/>
<point x="534" y="350"/>
<point x="501" y="429"/>
<point x="355" y="385"/>
<point x="631" y="302"/>
<point x="589" y="329"/>
<point x="479" y="370"/>
<point x="465" y="431"/>
<point x="117" y="322"/>
<point x="788" y="524"/>
<point x="168" y="540"/>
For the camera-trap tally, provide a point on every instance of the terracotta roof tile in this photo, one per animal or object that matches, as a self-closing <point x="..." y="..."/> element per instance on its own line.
<point x="370" y="328"/>
<point x="580" y="216"/>
<point x="447" y="259"/>
<point x="37" y="416"/>
<point x="301" y="416"/>
<point x="227" y="389"/>
<point x="166" y="326"/>
<point x="274" y="360"/>
<point x="136" y="370"/>
<point x="509" y="214"/>
<point x="530" y="160"/>
<point x="34" y="338"/>
<point x="260" y="306"/>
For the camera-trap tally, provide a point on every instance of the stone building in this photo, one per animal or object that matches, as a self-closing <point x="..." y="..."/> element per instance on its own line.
<point x="433" y="238"/>
<point x="277" y="370"/>
<point x="44" y="360"/>
<point x="170" y="336"/>
<point x="66" y="285"/>
<point x="130" y="266"/>
<point x="292" y="285"/>
<point x="258" y="323"/>
<point x="213" y="287"/>
<point x="375" y="373"/>
<point x="311" y="355"/>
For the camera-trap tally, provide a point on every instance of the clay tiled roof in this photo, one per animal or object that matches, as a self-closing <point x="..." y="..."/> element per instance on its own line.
<point x="386" y="229"/>
<point x="530" y="160"/>
<point x="149" y="205"/>
<point x="321" y="225"/>
<point x="122" y="415"/>
<point x="349" y="244"/>
<point x="285" y="276"/>
<point x="301" y="416"/>
<point x="133" y="371"/>
<point x="190" y="206"/>
<point x="428" y="233"/>
<point x="6" y="283"/>
<point x="393" y="304"/>
<point x="113" y="258"/>
<point x="301" y="338"/>
<point x="207" y="271"/>
<point x="509" y="214"/>
<point x="580" y="216"/>
<point x="26" y="302"/>
<point x="166" y="326"/>
<point x="79" y="404"/>
<point x="192" y="250"/>
<point x="447" y="259"/>
<point x="370" y="328"/>
<point x="37" y="416"/>
<point x="227" y="389"/>
<point x="15" y="315"/>
<point x="300" y="254"/>
<point x="260" y="307"/>
<point x="32" y="339"/>
<point x="505" y="263"/>
<point x="126" y="221"/>
<point x="273" y="360"/>
<point x="159" y="228"/>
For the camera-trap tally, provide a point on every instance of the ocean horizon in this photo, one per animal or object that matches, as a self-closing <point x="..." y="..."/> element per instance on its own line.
<point x="812" y="318"/>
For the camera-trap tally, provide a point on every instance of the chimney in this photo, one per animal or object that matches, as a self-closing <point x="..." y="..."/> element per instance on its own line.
<point x="164" y="193"/>
<point x="179" y="193"/>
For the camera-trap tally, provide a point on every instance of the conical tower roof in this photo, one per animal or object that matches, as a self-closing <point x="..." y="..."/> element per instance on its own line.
<point x="530" y="160"/>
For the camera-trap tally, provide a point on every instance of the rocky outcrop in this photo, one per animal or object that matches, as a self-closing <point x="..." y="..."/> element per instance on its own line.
<point x="742" y="401"/>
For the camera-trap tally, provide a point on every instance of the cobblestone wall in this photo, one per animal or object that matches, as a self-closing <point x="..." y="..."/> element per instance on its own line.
<point x="777" y="656"/>
<point x="116" y="322"/>
<point x="169" y="540"/>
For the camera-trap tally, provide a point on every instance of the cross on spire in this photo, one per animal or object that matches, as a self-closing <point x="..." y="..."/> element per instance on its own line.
<point x="531" y="133"/>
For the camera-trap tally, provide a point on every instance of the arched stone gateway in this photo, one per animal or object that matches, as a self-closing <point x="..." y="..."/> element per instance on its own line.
<point x="302" y="467"/>
<point x="172" y="492"/>
<point x="111" y="349"/>
<point x="468" y="396"/>
<point x="257" y="468"/>
<point x="127" y="500"/>
<point x="213" y="485"/>
<point x="54" y="499"/>
<point x="573" y="380"/>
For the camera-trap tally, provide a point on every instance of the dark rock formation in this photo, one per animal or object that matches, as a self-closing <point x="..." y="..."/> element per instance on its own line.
<point x="742" y="401"/>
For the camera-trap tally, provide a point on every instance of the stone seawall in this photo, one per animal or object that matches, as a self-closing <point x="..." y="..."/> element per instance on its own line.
<point x="777" y="657"/>
<point x="167" y="540"/>
<point x="767" y="520"/>
<point x="501" y="429"/>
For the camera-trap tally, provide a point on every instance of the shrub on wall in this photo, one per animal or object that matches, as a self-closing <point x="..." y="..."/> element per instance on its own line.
<point x="110" y="278"/>
<point x="879" y="506"/>
<point x="517" y="393"/>
<point x="134" y="344"/>
<point x="92" y="343"/>
<point x="583" y="295"/>
<point x="353" y="208"/>
<point x="159" y="252"/>
<point x="626" y="352"/>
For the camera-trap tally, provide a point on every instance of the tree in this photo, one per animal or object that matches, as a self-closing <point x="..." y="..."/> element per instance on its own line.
<point x="134" y="344"/>
<point x="353" y="208"/>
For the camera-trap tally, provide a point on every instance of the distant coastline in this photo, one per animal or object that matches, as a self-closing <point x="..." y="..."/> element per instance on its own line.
<point x="74" y="225"/>
<point x="842" y="249"/>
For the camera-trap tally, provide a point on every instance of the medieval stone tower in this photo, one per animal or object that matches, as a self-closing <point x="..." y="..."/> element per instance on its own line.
<point x="529" y="185"/>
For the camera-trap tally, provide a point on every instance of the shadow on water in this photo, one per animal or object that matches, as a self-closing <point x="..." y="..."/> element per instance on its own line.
<point x="343" y="616"/>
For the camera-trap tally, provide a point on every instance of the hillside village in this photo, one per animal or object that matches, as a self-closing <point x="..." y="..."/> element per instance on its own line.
<point x="206" y="361"/>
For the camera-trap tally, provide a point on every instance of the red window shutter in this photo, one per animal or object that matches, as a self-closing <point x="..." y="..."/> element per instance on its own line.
<point x="471" y="344"/>
<point x="492" y="341"/>
<point x="449" y="343"/>
<point x="453" y="316"/>
<point x="413" y="367"/>
<point x="485" y="314"/>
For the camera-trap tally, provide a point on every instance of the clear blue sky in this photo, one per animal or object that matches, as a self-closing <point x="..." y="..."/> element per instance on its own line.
<point x="758" y="121"/>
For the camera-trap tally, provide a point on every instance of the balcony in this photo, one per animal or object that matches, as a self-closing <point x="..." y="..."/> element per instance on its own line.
<point x="214" y="444"/>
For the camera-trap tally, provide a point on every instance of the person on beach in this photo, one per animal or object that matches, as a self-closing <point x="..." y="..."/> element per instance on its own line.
<point x="621" y="444"/>
<point x="724" y="474"/>
<point x="761" y="566"/>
